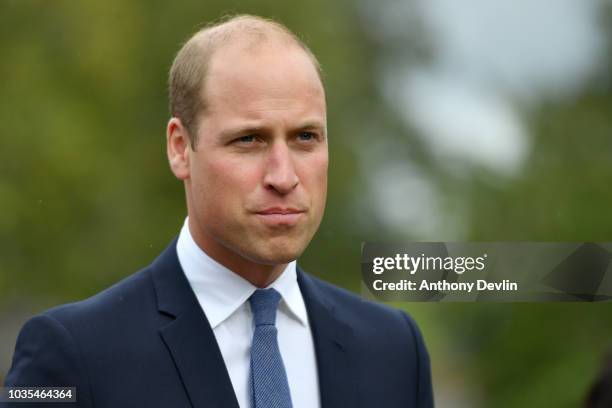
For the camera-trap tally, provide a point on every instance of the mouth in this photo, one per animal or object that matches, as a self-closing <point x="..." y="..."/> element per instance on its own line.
<point x="278" y="216"/>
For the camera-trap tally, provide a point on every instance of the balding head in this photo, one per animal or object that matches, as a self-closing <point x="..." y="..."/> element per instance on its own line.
<point x="191" y="66"/>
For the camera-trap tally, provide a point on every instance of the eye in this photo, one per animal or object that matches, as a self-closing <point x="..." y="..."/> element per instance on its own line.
<point x="246" y="139"/>
<point x="306" y="136"/>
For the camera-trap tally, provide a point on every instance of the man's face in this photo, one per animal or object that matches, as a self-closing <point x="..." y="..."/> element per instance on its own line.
<point x="258" y="176"/>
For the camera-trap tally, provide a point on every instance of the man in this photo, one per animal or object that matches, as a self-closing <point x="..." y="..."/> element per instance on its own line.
<point x="223" y="317"/>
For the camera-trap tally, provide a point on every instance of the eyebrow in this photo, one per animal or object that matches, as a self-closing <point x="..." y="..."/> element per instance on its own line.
<point x="248" y="129"/>
<point x="229" y="133"/>
<point x="314" y="125"/>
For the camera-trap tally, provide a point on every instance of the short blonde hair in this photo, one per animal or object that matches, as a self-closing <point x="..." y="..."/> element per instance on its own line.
<point x="190" y="66"/>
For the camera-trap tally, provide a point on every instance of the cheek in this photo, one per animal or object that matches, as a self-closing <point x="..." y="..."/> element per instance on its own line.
<point x="320" y="164"/>
<point x="231" y="178"/>
<point x="314" y="171"/>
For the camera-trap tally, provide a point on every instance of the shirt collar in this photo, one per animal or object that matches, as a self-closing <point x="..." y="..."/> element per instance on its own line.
<point x="221" y="292"/>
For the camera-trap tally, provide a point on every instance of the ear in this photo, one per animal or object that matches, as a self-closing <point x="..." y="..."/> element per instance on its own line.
<point x="178" y="147"/>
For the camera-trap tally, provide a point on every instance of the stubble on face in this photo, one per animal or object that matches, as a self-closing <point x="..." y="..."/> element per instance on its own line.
<point x="258" y="176"/>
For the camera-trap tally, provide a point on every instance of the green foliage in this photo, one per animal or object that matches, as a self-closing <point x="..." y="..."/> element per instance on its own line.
<point x="86" y="196"/>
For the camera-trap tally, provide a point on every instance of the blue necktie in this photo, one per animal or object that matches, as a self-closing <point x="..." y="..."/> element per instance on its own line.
<point x="269" y="386"/>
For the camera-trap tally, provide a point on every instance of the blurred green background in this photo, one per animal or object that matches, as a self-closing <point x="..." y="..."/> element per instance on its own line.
<point x="449" y="121"/>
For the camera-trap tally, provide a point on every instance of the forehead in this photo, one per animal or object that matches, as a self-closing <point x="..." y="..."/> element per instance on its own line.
<point x="243" y="76"/>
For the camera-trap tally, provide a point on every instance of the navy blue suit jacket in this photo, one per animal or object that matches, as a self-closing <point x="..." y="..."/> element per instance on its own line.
<point x="145" y="342"/>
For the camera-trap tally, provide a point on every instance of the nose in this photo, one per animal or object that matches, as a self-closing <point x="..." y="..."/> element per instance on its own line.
<point x="280" y="172"/>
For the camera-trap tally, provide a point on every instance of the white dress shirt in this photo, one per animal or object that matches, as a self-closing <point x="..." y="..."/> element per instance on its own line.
<point x="223" y="295"/>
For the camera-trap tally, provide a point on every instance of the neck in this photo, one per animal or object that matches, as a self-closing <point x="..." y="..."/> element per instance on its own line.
<point x="258" y="274"/>
<point x="264" y="277"/>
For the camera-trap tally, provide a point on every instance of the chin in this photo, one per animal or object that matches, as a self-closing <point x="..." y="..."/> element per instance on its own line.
<point x="277" y="254"/>
<point x="277" y="258"/>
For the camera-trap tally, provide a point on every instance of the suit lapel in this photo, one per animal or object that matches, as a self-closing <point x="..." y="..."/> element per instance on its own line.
<point x="194" y="350"/>
<point x="189" y="337"/>
<point x="336" y="357"/>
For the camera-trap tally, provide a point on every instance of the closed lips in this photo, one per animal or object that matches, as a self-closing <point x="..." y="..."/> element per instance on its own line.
<point x="282" y="211"/>
<point x="274" y="217"/>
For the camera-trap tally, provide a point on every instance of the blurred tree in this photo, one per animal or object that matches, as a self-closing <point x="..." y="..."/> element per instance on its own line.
<point x="86" y="197"/>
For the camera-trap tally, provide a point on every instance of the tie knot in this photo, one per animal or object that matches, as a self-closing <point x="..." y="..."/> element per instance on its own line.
<point x="264" y="303"/>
